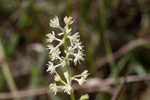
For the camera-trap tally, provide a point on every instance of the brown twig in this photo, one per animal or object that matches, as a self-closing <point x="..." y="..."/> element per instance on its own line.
<point x="92" y="85"/>
<point x="24" y="93"/>
<point x="123" y="50"/>
<point x="118" y="90"/>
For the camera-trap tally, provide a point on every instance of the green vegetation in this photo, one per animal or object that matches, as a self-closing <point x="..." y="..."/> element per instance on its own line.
<point x="115" y="34"/>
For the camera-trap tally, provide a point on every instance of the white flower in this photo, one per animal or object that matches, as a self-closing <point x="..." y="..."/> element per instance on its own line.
<point x="63" y="62"/>
<point x="57" y="78"/>
<point x="78" y="45"/>
<point x="54" y="54"/>
<point x="50" y="47"/>
<point x="60" y="34"/>
<point x="81" y="80"/>
<point x="67" y="88"/>
<point x="68" y="20"/>
<point x="67" y="30"/>
<point x="54" y="88"/>
<point x="51" y="67"/>
<point x="54" y="22"/>
<point x="51" y="37"/>
<point x="66" y="74"/>
<point x="70" y="51"/>
<point x="74" y="38"/>
<point x="73" y="51"/>
<point x="78" y="57"/>
<point x="85" y="74"/>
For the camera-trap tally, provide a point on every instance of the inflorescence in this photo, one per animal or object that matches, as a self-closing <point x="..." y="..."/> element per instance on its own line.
<point x="72" y="52"/>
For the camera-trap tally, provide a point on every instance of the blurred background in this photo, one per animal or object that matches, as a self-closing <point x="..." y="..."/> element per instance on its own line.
<point x="116" y="39"/>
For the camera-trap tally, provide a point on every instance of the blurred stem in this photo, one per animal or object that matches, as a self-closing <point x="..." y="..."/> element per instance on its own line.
<point x="90" y="59"/>
<point x="103" y="25"/>
<point x="69" y="6"/>
<point x="6" y="72"/>
<point x="110" y="57"/>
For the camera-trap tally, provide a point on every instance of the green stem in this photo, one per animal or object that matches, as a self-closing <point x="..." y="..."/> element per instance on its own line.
<point x="69" y="72"/>
<point x="72" y="96"/>
<point x="68" y="69"/>
<point x="67" y="65"/>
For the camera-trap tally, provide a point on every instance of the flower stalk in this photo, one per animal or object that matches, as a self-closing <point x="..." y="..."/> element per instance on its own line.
<point x="73" y="52"/>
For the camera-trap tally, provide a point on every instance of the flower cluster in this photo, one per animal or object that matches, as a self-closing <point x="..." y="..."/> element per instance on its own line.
<point x="73" y="52"/>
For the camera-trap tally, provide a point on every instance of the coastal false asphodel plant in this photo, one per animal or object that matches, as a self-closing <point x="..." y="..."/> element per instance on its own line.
<point x="71" y="51"/>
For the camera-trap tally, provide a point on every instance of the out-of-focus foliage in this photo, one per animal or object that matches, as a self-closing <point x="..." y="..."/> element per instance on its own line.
<point x="104" y="26"/>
